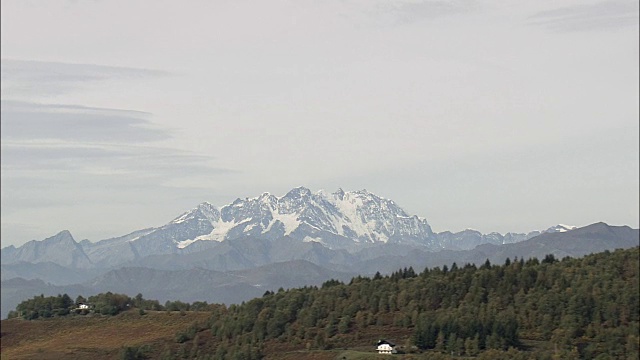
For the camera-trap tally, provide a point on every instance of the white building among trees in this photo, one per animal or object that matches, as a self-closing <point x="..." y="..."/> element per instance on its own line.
<point x="385" y="347"/>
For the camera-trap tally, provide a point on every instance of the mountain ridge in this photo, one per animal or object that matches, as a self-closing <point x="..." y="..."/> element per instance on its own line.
<point x="349" y="220"/>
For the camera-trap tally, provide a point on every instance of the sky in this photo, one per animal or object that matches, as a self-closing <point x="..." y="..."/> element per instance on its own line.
<point x="493" y="115"/>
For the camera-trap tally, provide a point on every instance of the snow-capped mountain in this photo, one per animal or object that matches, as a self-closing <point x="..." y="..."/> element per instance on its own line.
<point x="337" y="220"/>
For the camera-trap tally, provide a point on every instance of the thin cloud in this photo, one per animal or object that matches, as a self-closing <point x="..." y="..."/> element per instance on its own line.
<point x="43" y="78"/>
<point x="54" y="158"/>
<point x="106" y="159"/>
<point x="598" y="16"/>
<point x="24" y="121"/>
<point x="31" y="106"/>
<point x="408" y="11"/>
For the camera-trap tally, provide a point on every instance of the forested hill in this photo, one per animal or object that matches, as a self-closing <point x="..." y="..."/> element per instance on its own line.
<point x="578" y="307"/>
<point x="584" y="308"/>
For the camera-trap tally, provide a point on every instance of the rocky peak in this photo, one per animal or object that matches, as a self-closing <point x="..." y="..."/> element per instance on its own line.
<point x="63" y="237"/>
<point x="203" y="212"/>
<point x="209" y="211"/>
<point x="298" y="193"/>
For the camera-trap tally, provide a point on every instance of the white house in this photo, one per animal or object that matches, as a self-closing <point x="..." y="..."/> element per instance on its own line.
<point x="83" y="306"/>
<point x="385" y="347"/>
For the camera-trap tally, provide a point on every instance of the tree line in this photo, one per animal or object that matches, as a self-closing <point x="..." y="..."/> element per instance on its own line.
<point x="108" y="303"/>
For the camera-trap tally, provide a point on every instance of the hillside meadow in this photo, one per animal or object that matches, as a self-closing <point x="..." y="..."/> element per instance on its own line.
<point x="92" y="337"/>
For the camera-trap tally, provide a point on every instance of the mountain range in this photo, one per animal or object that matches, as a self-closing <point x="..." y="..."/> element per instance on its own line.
<point x="210" y="253"/>
<point x="340" y="220"/>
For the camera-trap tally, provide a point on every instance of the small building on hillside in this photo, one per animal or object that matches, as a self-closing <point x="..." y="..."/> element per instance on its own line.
<point x="386" y="347"/>
<point x="83" y="306"/>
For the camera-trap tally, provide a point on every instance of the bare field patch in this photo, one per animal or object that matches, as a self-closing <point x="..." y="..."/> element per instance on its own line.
<point x="97" y="337"/>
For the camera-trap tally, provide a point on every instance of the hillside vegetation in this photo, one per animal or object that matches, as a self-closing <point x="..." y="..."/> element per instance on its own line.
<point x="584" y="308"/>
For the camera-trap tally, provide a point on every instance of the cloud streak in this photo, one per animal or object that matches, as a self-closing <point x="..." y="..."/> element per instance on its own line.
<point x="43" y="78"/>
<point x="400" y="12"/>
<point x="74" y="123"/>
<point x="133" y="160"/>
<point x="598" y="16"/>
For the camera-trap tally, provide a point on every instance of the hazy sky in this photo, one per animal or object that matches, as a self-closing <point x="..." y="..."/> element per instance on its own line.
<point x="493" y="115"/>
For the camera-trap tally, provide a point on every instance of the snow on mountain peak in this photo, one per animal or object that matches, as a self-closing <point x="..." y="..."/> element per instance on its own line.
<point x="560" y="228"/>
<point x="204" y="210"/>
<point x="358" y="216"/>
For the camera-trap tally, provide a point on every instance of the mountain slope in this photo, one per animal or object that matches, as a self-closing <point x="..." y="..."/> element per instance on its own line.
<point x="102" y="253"/>
<point x="212" y="286"/>
<point x="61" y="249"/>
<point x="247" y="253"/>
<point x="48" y="272"/>
<point x="593" y="238"/>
